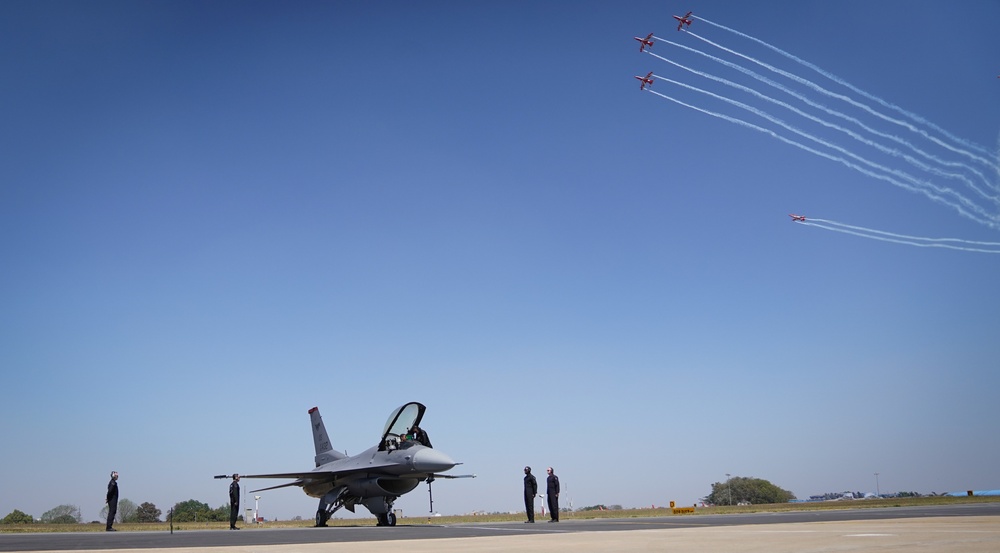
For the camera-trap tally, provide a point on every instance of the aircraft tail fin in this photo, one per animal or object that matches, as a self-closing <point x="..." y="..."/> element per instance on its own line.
<point x="324" y="451"/>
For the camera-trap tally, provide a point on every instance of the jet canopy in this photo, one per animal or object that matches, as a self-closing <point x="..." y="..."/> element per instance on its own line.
<point x="402" y="420"/>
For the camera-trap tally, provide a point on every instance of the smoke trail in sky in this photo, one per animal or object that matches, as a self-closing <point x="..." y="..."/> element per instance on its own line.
<point x="922" y="242"/>
<point x="851" y="101"/>
<point x="904" y="236"/>
<point x="884" y="149"/>
<point x="840" y="115"/>
<point x="936" y="193"/>
<point x="832" y="157"/>
<point x="961" y="166"/>
<point x="854" y="89"/>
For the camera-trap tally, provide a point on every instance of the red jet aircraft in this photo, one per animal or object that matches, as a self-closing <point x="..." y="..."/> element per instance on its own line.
<point x="797" y="217"/>
<point x="644" y="42"/>
<point x="647" y="80"/>
<point x="682" y="21"/>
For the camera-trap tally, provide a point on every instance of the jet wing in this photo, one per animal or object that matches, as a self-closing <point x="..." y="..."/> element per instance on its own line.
<point x="288" y="485"/>
<point x="310" y="475"/>
<point x="328" y="473"/>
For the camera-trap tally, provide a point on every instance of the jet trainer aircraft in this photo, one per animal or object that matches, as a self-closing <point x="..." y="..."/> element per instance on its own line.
<point x="644" y="42"/>
<point x="795" y="217"/>
<point x="683" y="20"/>
<point x="374" y="478"/>
<point x="647" y="80"/>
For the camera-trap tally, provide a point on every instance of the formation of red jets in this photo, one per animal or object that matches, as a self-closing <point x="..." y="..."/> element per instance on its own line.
<point x="647" y="42"/>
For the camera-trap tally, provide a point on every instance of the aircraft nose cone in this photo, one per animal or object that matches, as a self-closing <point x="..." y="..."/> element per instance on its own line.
<point x="431" y="460"/>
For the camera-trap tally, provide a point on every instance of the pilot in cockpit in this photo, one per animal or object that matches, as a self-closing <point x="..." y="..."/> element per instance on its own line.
<point x="416" y="433"/>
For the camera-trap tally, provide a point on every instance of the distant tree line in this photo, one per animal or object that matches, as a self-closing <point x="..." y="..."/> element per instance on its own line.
<point x="185" y="511"/>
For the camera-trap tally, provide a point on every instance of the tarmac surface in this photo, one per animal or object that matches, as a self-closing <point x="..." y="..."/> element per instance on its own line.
<point x="966" y="528"/>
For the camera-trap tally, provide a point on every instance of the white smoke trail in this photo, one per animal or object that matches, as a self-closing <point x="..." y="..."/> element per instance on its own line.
<point x="916" y="185"/>
<point x="903" y="236"/>
<point x="851" y="101"/>
<point x="876" y="175"/>
<point x="947" y="243"/>
<point x="855" y="121"/>
<point x="882" y="148"/>
<point x="851" y="87"/>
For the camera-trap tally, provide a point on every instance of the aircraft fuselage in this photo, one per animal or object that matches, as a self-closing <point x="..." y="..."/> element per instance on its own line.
<point x="411" y="463"/>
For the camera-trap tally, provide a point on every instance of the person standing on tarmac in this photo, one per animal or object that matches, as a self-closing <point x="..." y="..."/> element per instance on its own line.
<point x="530" y="491"/>
<point x="112" y="500"/>
<point x="552" y="491"/>
<point x="234" y="501"/>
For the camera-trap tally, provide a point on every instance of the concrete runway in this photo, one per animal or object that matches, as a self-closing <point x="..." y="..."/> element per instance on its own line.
<point x="965" y="528"/>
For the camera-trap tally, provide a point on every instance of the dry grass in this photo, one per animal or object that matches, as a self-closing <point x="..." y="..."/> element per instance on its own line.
<point x="465" y="519"/>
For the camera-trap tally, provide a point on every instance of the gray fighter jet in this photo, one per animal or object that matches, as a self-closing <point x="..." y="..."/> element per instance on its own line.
<point x="375" y="478"/>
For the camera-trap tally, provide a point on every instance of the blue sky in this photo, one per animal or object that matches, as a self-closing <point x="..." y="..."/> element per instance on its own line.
<point x="217" y="216"/>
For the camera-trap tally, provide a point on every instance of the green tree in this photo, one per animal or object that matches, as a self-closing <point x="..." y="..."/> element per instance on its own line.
<point x="127" y="511"/>
<point x="739" y="489"/>
<point x="221" y="514"/>
<point x="17" y="517"/>
<point x="192" y="511"/>
<point x="148" y="512"/>
<point x="63" y="514"/>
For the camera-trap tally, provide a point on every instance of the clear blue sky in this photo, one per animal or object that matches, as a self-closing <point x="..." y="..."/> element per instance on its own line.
<point x="215" y="216"/>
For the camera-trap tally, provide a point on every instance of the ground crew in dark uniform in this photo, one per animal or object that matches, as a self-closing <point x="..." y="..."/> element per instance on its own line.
<point x="234" y="501"/>
<point x="552" y="490"/>
<point x="530" y="491"/>
<point x="112" y="500"/>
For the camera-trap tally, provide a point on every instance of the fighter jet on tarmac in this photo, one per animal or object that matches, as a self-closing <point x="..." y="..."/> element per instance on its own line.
<point x="644" y="42"/>
<point x="647" y="80"/>
<point x="374" y="478"/>
<point x="683" y="20"/>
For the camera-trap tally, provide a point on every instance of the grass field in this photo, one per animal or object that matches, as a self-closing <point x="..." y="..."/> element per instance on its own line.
<point x="577" y="515"/>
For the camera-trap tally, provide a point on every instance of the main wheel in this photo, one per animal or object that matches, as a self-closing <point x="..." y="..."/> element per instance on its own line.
<point x="391" y="519"/>
<point x="321" y="518"/>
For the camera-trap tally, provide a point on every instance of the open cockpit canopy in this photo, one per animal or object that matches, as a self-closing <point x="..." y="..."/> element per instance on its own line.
<point x="401" y="421"/>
